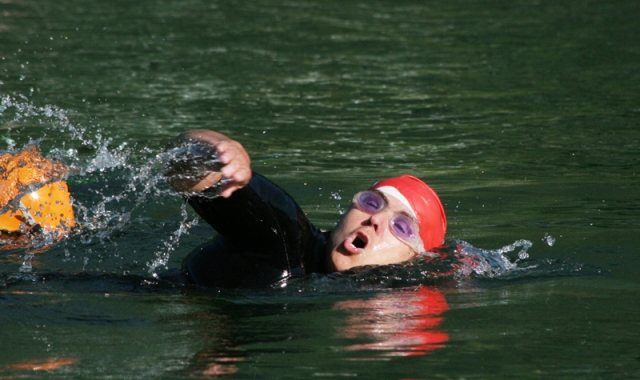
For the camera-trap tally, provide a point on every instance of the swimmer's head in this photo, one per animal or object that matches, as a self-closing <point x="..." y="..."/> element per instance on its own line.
<point x="392" y="222"/>
<point x="423" y="202"/>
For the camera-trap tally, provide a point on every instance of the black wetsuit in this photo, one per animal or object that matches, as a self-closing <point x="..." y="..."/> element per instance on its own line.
<point x="264" y="239"/>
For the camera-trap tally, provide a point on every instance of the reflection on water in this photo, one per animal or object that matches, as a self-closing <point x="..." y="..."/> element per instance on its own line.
<point x="42" y="365"/>
<point x="222" y="349"/>
<point x="403" y="323"/>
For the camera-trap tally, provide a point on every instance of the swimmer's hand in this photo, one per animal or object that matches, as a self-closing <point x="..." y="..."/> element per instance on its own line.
<point x="235" y="161"/>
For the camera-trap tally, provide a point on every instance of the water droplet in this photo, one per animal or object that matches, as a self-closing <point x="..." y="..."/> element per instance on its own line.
<point x="549" y="239"/>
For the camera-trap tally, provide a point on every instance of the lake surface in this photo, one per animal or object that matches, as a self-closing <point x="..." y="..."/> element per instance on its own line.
<point x="522" y="115"/>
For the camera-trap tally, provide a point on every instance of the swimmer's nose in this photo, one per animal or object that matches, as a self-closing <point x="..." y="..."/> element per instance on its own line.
<point x="379" y="220"/>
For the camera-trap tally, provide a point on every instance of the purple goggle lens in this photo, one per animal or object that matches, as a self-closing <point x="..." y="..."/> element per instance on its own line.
<point x="402" y="226"/>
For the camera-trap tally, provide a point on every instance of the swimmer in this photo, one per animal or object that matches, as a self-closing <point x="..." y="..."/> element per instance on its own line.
<point x="34" y="198"/>
<point x="264" y="238"/>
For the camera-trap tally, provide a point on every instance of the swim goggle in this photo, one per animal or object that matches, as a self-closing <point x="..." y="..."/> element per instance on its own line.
<point x="401" y="225"/>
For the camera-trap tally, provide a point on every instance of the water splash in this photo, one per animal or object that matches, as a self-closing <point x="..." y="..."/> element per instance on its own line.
<point x="170" y="245"/>
<point x="110" y="184"/>
<point x="491" y="263"/>
<point x="14" y="112"/>
<point x="459" y="264"/>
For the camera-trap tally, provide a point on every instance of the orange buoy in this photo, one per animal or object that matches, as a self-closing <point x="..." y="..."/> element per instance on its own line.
<point x="32" y="193"/>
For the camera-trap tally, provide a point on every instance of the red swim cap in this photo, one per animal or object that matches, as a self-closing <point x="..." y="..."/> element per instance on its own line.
<point x="424" y="203"/>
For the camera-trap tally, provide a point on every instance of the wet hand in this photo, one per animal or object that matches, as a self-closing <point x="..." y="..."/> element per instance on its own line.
<point x="237" y="165"/>
<point x="209" y="157"/>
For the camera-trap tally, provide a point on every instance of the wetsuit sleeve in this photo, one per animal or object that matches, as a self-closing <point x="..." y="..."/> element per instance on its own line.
<point x="262" y="220"/>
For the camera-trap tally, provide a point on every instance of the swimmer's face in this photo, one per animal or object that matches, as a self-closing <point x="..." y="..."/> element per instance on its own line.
<point x="366" y="239"/>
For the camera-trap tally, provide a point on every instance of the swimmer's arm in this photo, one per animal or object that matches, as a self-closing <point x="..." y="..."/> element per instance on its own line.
<point x="234" y="157"/>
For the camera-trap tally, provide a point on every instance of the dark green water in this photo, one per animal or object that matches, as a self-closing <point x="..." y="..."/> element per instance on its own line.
<point x="523" y="115"/>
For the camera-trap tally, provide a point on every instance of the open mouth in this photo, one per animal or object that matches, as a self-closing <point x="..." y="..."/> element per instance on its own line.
<point x="359" y="242"/>
<point x="356" y="243"/>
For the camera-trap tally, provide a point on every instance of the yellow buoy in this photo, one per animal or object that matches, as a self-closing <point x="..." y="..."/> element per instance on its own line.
<point x="32" y="193"/>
